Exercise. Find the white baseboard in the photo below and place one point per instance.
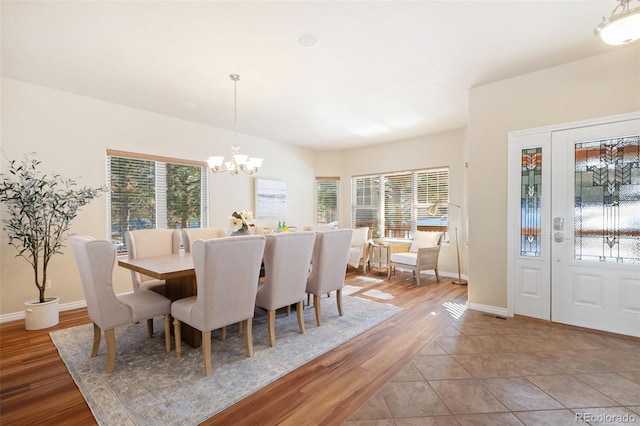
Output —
(14, 316)
(503, 312)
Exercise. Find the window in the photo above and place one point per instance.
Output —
(154, 192)
(395, 204)
(327, 196)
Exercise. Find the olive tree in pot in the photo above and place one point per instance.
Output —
(39, 209)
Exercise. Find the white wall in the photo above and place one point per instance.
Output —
(70, 135)
(599, 86)
(441, 150)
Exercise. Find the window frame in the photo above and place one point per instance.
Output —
(336, 180)
(160, 196)
(421, 199)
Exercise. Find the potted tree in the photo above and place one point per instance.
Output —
(39, 209)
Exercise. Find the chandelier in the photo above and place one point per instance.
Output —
(238, 162)
(622, 27)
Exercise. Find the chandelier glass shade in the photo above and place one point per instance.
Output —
(238, 162)
(622, 27)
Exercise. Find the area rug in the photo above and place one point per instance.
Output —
(151, 387)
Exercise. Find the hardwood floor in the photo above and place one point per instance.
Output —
(36, 388)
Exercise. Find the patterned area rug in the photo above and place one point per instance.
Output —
(151, 387)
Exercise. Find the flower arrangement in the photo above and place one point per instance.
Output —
(241, 221)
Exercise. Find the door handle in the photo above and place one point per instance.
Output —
(558, 237)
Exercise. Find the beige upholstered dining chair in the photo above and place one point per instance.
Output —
(359, 248)
(329, 264)
(190, 235)
(227, 272)
(422, 255)
(287, 257)
(256, 230)
(322, 227)
(95, 260)
(151, 243)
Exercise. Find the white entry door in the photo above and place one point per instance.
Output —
(595, 219)
(574, 224)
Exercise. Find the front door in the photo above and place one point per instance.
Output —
(595, 242)
(574, 225)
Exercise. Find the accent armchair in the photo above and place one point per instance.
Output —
(422, 255)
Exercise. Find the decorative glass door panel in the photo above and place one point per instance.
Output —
(531, 200)
(595, 272)
(607, 204)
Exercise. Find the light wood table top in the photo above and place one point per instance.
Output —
(161, 267)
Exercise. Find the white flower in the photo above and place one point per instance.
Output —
(247, 217)
(235, 223)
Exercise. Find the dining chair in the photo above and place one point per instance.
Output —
(227, 271)
(143, 243)
(329, 264)
(359, 248)
(190, 235)
(95, 260)
(151, 243)
(287, 257)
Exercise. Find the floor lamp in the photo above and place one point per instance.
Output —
(432, 211)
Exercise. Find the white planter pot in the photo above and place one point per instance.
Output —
(41, 315)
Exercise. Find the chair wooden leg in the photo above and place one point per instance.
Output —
(96, 339)
(110, 337)
(150, 328)
(418, 274)
(248, 337)
(288, 310)
(176, 333)
(308, 299)
(316, 306)
(240, 327)
(167, 333)
(271, 326)
(206, 352)
(437, 277)
(300, 312)
(223, 333)
(339, 300)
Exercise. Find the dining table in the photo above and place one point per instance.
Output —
(179, 274)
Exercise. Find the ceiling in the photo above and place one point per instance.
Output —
(382, 70)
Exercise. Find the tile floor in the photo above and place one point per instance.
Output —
(490, 371)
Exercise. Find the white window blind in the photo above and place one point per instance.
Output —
(432, 186)
(327, 196)
(153, 192)
(398, 203)
(365, 201)
(402, 208)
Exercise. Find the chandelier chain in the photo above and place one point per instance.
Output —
(237, 161)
